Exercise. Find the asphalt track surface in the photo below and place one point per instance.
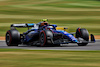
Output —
(90, 46)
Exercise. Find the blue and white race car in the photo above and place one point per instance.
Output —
(44, 34)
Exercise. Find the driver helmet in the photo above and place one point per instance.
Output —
(44, 22)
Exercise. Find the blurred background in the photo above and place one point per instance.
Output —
(64, 13)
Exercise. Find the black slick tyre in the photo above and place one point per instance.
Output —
(82, 33)
(12, 38)
(45, 38)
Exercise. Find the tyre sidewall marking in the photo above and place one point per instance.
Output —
(44, 37)
(10, 38)
(80, 32)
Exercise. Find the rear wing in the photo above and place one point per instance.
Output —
(27, 25)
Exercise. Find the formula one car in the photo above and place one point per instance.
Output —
(44, 34)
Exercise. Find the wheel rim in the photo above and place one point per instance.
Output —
(7, 38)
(42, 39)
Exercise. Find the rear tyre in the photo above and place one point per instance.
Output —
(82, 33)
(12, 38)
(45, 38)
(42, 39)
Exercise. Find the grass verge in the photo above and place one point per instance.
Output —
(48, 58)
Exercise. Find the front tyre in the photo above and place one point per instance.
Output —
(12, 38)
(82, 33)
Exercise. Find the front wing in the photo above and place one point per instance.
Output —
(79, 40)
